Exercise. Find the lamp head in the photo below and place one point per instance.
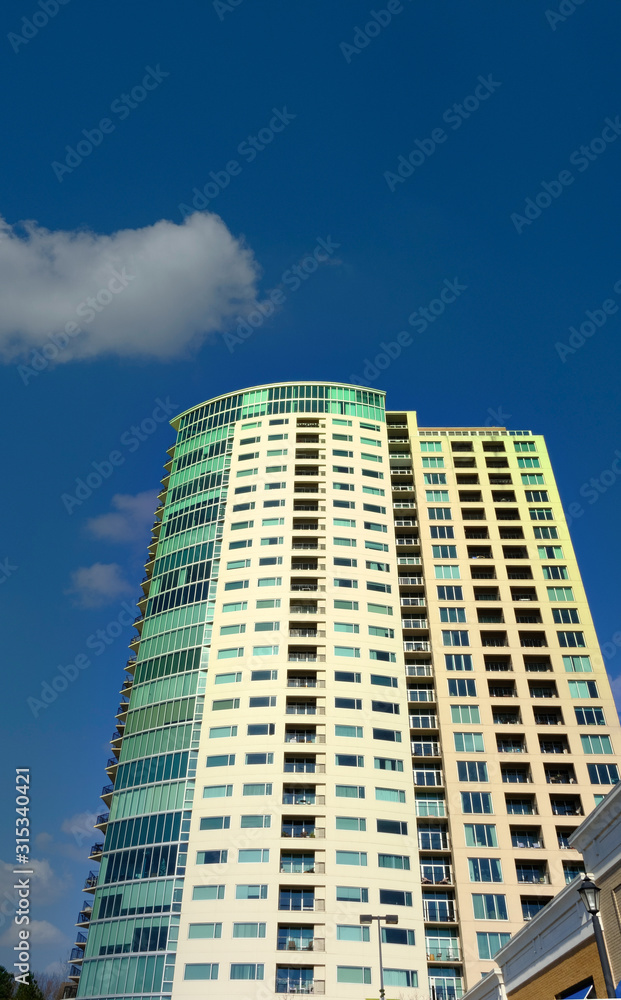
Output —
(589, 893)
(366, 918)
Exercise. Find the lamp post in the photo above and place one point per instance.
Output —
(589, 893)
(366, 918)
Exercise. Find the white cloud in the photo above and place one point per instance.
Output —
(92, 586)
(130, 522)
(181, 282)
(81, 827)
(42, 932)
(49, 886)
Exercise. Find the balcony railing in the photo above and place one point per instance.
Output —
(405, 581)
(91, 880)
(417, 646)
(439, 912)
(414, 623)
(304, 609)
(443, 953)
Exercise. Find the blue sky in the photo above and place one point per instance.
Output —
(291, 123)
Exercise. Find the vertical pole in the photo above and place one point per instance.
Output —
(382, 991)
(603, 955)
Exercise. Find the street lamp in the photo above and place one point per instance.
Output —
(589, 893)
(366, 918)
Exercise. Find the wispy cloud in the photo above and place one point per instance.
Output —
(175, 283)
(101, 583)
(50, 886)
(129, 522)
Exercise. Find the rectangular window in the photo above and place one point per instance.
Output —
(596, 744)
(262, 788)
(259, 758)
(541, 513)
(546, 532)
(205, 931)
(237, 585)
(536, 496)
(489, 943)
(346, 627)
(524, 445)
(555, 573)
(221, 760)
(394, 826)
(464, 688)
(246, 970)
(269, 581)
(430, 446)
(343, 582)
(433, 463)
(204, 892)
(254, 822)
(450, 593)
(348, 760)
(382, 681)
(480, 835)
(353, 974)
(401, 977)
(204, 970)
(253, 856)
(389, 735)
(465, 713)
(399, 861)
(395, 897)
(232, 678)
(264, 675)
(235, 606)
(351, 858)
(472, 770)
(222, 732)
(569, 639)
(488, 906)
(265, 650)
(469, 742)
(583, 689)
(485, 869)
(533, 479)
(238, 564)
(476, 802)
(351, 823)
(441, 531)
(436, 496)
(347, 651)
(387, 764)
(217, 791)
(397, 935)
(352, 894)
(252, 930)
(452, 614)
(350, 731)
(211, 857)
(215, 823)
(382, 588)
(455, 638)
(352, 932)
(560, 594)
(446, 572)
(389, 795)
(349, 703)
(603, 774)
(349, 791)
(590, 716)
(550, 551)
(250, 891)
(439, 514)
(458, 661)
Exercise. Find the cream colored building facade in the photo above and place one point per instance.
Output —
(367, 659)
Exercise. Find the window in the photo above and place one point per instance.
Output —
(383, 681)
(524, 445)
(343, 522)
(387, 764)
(207, 970)
(446, 572)
(464, 688)
(397, 935)
(251, 891)
(349, 791)
(353, 974)
(233, 678)
(347, 676)
(269, 581)
(222, 732)
(352, 894)
(346, 605)
(211, 857)
(546, 532)
(352, 932)
(346, 627)
(253, 930)
(430, 446)
(262, 788)
(348, 760)
(390, 735)
(389, 795)
(480, 835)
(394, 897)
(488, 906)
(220, 760)
(257, 856)
(217, 791)
(489, 943)
(437, 496)
(356, 823)
(472, 770)
(399, 861)
(259, 758)
(541, 514)
(392, 826)
(343, 582)
(455, 638)
(465, 714)
(469, 742)
(267, 626)
(235, 606)
(350, 703)
(236, 585)
(485, 869)
(208, 892)
(571, 639)
(350, 731)
(450, 594)
(603, 774)
(441, 531)
(351, 858)
(439, 514)
(256, 822)
(458, 661)
(583, 689)
(400, 977)
(476, 802)
(590, 716)
(264, 675)
(246, 970)
(215, 823)
(536, 496)
(444, 551)
(433, 463)
(260, 729)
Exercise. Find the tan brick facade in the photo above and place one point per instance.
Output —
(576, 966)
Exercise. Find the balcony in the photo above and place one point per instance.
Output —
(532, 876)
(438, 912)
(305, 609)
(418, 646)
(303, 708)
(302, 797)
(427, 721)
(414, 623)
(303, 736)
(102, 819)
(299, 566)
(306, 587)
(413, 602)
(437, 873)
(407, 540)
(419, 670)
(301, 829)
(425, 748)
(84, 917)
(90, 883)
(304, 682)
(444, 953)
(305, 658)
(96, 851)
(410, 581)
(306, 633)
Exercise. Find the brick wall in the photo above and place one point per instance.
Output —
(576, 966)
